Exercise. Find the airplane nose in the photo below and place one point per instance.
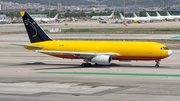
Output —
(170, 52)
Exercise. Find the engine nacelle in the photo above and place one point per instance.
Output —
(102, 59)
(135, 21)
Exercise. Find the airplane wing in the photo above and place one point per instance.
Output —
(83, 54)
(42, 20)
(101, 18)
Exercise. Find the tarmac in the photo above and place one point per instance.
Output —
(24, 37)
(89, 24)
(29, 76)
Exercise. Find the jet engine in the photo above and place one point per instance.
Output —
(135, 21)
(102, 59)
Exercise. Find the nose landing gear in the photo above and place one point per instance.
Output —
(157, 63)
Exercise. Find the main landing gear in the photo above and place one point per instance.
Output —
(86, 64)
(157, 63)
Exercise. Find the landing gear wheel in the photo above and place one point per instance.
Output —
(83, 65)
(96, 64)
(89, 64)
(156, 65)
(86, 65)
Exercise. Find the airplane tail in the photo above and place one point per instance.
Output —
(158, 14)
(168, 14)
(121, 16)
(147, 14)
(112, 15)
(56, 17)
(134, 14)
(35, 33)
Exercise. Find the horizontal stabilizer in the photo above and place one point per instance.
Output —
(18, 45)
(39, 47)
(29, 47)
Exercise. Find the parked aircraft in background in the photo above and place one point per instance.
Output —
(135, 19)
(4, 21)
(67, 19)
(163, 17)
(141, 18)
(173, 16)
(61, 20)
(45, 20)
(103, 17)
(98, 52)
(154, 18)
(74, 19)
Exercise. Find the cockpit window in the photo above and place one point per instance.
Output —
(164, 48)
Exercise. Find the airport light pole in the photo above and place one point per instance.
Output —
(124, 17)
(49, 9)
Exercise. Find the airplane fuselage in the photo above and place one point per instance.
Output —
(104, 17)
(153, 18)
(125, 50)
(174, 17)
(44, 19)
(134, 18)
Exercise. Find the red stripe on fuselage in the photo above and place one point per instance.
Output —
(114, 58)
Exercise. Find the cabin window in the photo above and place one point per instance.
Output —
(164, 48)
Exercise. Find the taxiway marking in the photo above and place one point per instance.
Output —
(125, 74)
(78, 70)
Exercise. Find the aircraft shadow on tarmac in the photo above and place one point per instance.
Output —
(72, 66)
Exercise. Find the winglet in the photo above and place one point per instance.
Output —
(22, 14)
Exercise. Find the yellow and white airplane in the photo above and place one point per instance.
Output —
(103, 17)
(98, 52)
(135, 18)
(45, 20)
